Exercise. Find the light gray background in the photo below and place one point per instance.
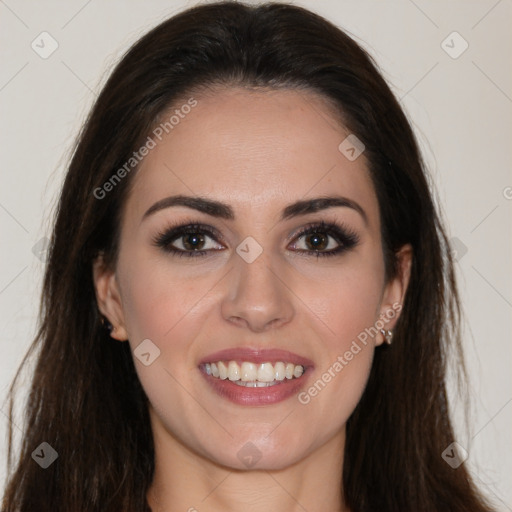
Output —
(460, 107)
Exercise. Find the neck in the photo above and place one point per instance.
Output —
(186, 481)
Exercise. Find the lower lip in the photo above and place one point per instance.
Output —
(242, 395)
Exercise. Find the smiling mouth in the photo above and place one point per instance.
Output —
(255, 375)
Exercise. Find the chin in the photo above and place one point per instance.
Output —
(258, 453)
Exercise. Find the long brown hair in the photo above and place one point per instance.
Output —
(86, 401)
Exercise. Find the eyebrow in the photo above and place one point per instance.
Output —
(224, 211)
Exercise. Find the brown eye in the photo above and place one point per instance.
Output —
(193, 241)
(324, 239)
(189, 240)
(317, 241)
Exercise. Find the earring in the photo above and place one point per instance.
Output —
(105, 322)
(107, 325)
(388, 336)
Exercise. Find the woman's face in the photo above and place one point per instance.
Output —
(271, 254)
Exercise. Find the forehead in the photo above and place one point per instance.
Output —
(252, 149)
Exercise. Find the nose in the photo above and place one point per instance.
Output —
(257, 298)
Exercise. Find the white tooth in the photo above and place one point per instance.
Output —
(255, 384)
(279, 371)
(223, 371)
(233, 371)
(266, 372)
(249, 372)
(299, 370)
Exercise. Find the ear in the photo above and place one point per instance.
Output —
(394, 292)
(109, 298)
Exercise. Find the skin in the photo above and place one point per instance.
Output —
(256, 151)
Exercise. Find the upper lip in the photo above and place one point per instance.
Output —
(257, 355)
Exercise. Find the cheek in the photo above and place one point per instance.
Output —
(158, 300)
(163, 306)
(337, 384)
(169, 307)
(345, 297)
(345, 303)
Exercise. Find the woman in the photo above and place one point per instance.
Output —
(249, 299)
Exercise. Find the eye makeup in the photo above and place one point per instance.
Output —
(192, 239)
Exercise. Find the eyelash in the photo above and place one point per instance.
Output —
(345, 237)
